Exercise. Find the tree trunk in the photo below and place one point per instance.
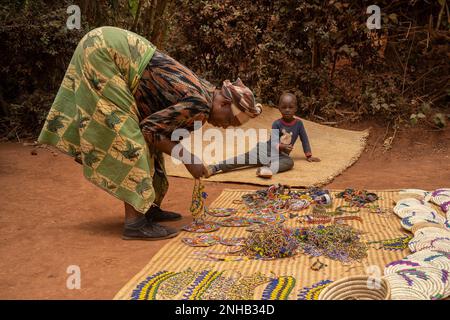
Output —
(158, 30)
(136, 18)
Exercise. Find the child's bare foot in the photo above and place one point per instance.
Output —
(313, 159)
(264, 172)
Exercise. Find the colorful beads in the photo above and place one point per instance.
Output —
(221, 212)
(147, 289)
(357, 198)
(201, 226)
(337, 242)
(270, 242)
(400, 243)
(235, 222)
(312, 293)
(278, 288)
(198, 201)
(281, 199)
(201, 241)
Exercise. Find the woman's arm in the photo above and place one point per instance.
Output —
(192, 163)
(160, 125)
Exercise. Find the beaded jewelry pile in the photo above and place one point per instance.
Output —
(281, 199)
(357, 198)
(270, 242)
(267, 201)
(337, 242)
(323, 233)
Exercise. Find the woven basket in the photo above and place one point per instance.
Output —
(355, 288)
(424, 225)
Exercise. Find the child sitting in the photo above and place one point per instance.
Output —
(289, 127)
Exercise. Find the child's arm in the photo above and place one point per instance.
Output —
(305, 143)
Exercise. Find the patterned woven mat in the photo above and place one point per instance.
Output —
(175, 272)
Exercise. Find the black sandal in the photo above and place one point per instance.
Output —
(156, 214)
(149, 232)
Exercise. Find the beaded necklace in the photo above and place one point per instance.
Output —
(221, 256)
(198, 201)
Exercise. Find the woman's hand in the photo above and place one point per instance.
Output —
(196, 170)
(313, 159)
(193, 164)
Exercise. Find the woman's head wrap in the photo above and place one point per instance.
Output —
(243, 104)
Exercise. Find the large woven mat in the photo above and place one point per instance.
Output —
(292, 277)
(337, 148)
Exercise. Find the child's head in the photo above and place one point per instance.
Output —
(287, 106)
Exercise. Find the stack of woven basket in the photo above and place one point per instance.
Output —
(357, 288)
(424, 274)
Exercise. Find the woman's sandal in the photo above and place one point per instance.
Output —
(156, 214)
(149, 232)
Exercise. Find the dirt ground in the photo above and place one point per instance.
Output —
(51, 217)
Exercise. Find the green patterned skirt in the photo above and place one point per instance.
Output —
(94, 117)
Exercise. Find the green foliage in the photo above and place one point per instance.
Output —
(36, 49)
(439, 120)
(133, 6)
(34, 55)
(320, 50)
(26, 117)
(414, 118)
(429, 115)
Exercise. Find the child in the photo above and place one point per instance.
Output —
(289, 128)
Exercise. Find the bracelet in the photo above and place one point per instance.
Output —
(341, 209)
(339, 220)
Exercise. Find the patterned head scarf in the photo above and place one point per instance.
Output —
(242, 100)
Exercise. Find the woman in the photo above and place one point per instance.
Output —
(115, 111)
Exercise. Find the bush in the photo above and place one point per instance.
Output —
(36, 49)
(322, 51)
